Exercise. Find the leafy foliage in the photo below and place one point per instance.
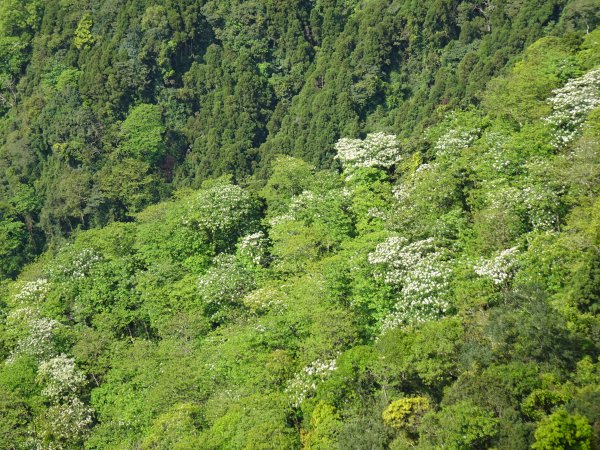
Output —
(431, 280)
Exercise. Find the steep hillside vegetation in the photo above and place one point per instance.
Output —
(108, 106)
(432, 283)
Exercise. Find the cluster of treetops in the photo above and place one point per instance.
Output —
(310, 224)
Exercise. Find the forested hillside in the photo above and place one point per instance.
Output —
(325, 224)
(109, 106)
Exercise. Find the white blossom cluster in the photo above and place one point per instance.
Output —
(254, 247)
(571, 104)
(305, 383)
(410, 185)
(79, 266)
(376, 150)
(219, 209)
(498, 158)
(378, 213)
(312, 206)
(424, 167)
(535, 202)
(265, 299)
(83, 261)
(61, 377)
(422, 273)
(225, 283)
(403, 191)
(505, 197)
(278, 220)
(540, 204)
(260, 328)
(501, 268)
(70, 421)
(393, 263)
(37, 340)
(415, 312)
(68, 418)
(303, 202)
(397, 258)
(456, 140)
(33, 291)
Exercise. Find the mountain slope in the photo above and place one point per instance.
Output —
(229, 85)
(440, 293)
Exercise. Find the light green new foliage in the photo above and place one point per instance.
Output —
(405, 413)
(177, 428)
(18, 15)
(128, 183)
(459, 426)
(545, 66)
(563, 431)
(325, 424)
(435, 286)
(142, 133)
(289, 177)
(83, 34)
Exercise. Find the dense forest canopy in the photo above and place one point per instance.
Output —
(317, 224)
(107, 107)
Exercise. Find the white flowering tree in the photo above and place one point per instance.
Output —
(68, 419)
(500, 268)
(571, 104)
(459, 130)
(421, 273)
(305, 383)
(33, 333)
(536, 205)
(254, 248)
(224, 285)
(455, 140)
(315, 223)
(266, 299)
(82, 263)
(61, 378)
(33, 291)
(65, 424)
(500, 158)
(222, 213)
(289, 177)
(376, 150)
